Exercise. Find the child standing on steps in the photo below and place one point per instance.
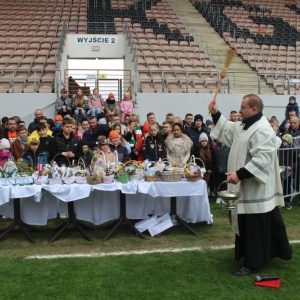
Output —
(126, 106)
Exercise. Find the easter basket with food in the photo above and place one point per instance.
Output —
(193, 172)
(153, 170)
(171, 173)
(133, 169)
(81, 172)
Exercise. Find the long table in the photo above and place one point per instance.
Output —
(101, 203)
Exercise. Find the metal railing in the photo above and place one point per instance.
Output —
(290, 83)
(95, 27)
(14, 82)
(289, 163)
(117, 81)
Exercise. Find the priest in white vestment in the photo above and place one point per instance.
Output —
(253, 170)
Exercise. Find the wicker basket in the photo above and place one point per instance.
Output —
(80, 179)
(151, 178)
(94, 179)
(171, 176)
(190, 177)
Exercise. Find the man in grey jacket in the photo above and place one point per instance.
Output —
(63, 104)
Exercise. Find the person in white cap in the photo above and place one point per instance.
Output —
(204, 152)
(5, 154)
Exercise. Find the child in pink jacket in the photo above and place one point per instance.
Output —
(126, 106)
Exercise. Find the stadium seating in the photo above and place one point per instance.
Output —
(264, 34)
(165, 50)
(30, 32)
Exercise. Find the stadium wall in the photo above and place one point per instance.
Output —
(180, 104)
(24, 105)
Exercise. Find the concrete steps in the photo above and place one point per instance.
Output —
(244, 79)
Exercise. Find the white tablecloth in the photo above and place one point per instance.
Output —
(154, 198)
(100, 203)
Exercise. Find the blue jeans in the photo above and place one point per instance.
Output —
(95, 111)
(77, 112)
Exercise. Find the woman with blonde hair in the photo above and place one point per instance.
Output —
(176, 119)
(96, 103)
(79, 104)
(103, 153)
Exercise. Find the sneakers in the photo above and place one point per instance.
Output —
(63, 216)
(288, 205)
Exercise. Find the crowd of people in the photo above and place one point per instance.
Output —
(241, 151)
(85, 126)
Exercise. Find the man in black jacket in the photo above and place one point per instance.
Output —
(194, 131)
(66, 144)
(285, 125)
(32, 126)
(90, 136)
(188, 121)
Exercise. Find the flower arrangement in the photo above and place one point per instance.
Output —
(110, 169)
(159, 167)
(53, 170)
(132, 167)
(23, 167)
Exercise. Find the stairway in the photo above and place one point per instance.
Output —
(243, 79)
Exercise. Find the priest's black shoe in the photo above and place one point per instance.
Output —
(245, 271)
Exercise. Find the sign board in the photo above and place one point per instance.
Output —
(102, 76)
(91, 76)
(95, 39)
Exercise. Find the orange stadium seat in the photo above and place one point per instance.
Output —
(29, 35)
